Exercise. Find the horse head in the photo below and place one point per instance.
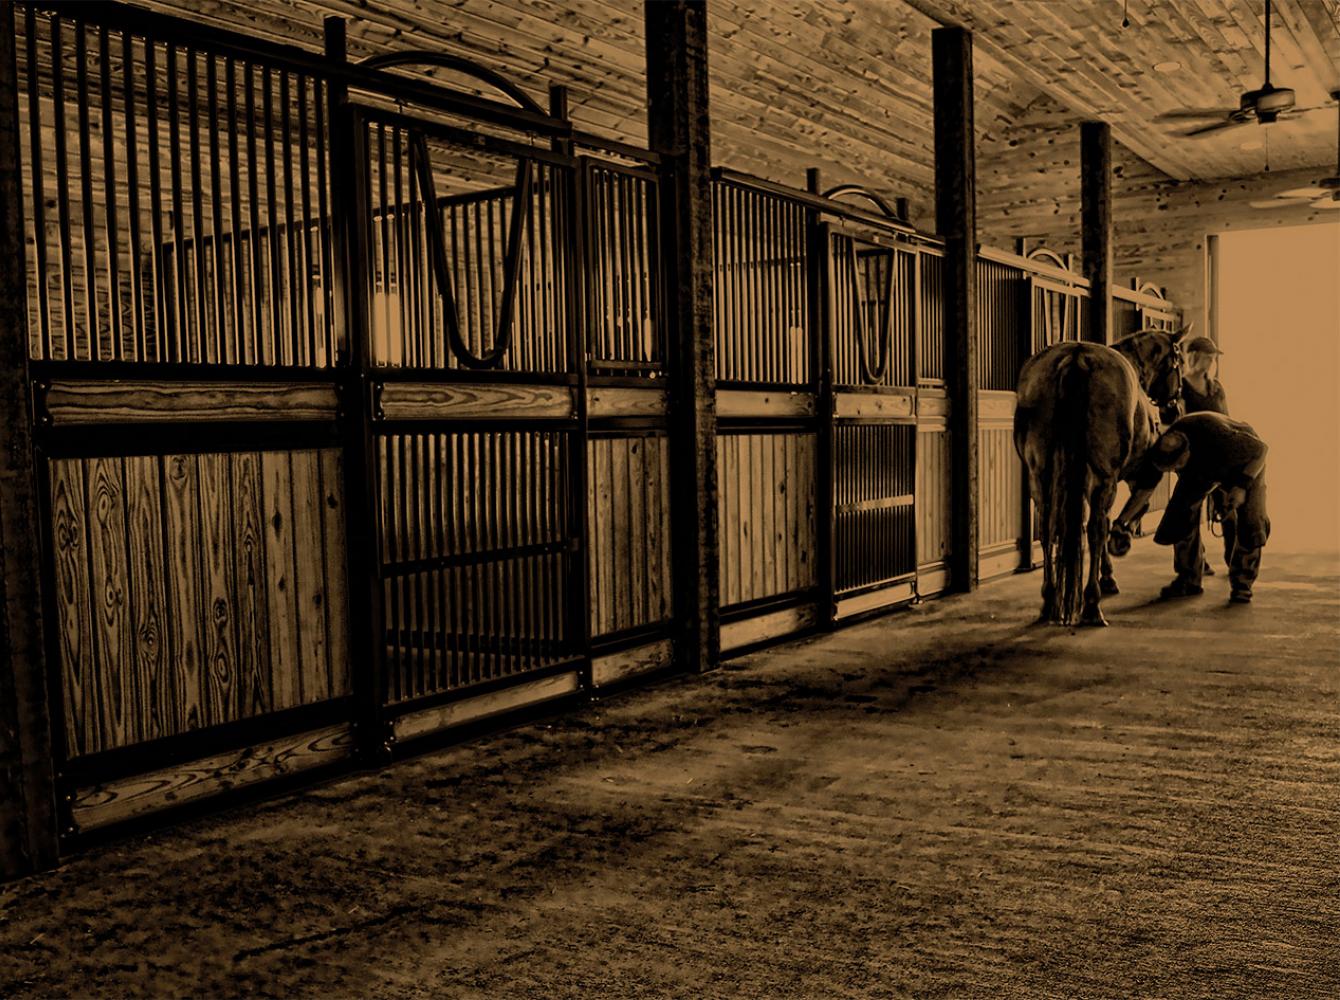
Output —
(1156, 356)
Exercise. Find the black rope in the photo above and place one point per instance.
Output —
(521, 207)
(873, 374)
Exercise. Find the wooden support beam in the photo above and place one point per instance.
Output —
(956, 223)
(678, 128)
(28, 830)
(1095, 147)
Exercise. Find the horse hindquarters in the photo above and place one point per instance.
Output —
(1069, 482)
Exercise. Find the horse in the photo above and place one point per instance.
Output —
(1083, 420)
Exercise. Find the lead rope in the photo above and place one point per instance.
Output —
(521, 206)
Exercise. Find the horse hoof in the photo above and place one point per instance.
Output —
(1109, 586)
(1093, 616)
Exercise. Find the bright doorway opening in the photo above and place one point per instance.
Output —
(1278, 308)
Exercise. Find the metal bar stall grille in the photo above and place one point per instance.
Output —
(147, 235)
(760, 287)
(468, 291)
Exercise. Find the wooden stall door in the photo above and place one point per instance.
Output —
(873, 333)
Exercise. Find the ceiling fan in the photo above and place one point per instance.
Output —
(1265, 105)
(1323, 193)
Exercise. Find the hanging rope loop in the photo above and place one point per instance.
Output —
(873, 372)
(421, 168)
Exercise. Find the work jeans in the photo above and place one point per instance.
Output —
(1245, 533)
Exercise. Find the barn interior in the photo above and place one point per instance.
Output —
(518, 497)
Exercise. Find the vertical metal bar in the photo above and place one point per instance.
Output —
(325, 239)
(180, 315)
(276, 348)
(258, 354)
(110, 190)
(161, 319)
(293, 340)
(221, 339)
(305, 260)
(133, 196)
(196, 350)
(92, 332)
(401, 233)
(38, 178)
(235, 349)
(389, 355)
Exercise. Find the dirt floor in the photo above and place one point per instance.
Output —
(947, 801)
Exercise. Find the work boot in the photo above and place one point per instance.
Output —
(1240, 597)
(1181, 588)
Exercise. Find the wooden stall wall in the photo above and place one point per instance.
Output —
(196, 590)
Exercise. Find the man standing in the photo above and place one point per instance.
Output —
(1202, 392)
(1209, 452)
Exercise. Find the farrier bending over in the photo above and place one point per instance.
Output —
(1202, 392)
(1207, 450)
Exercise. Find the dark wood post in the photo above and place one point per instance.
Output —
(956, 223)
(28, 831)
(1095, 149)
(679, 130)
(820, 323)
(367, 626)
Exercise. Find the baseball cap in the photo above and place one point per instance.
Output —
(1204, 345)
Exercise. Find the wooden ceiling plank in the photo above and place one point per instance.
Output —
(1129, 135)
(1325, 71)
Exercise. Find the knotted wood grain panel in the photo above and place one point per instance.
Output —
(195, 590)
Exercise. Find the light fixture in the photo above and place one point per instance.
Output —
(1252, 145)
(1170, 66)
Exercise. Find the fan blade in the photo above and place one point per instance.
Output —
(1197, 133)
(1191, 114)
(1311, 191)
(1330, 201)
(1271, 203)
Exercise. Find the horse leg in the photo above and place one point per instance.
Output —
(1100, 502)
(1050, 612)
(1107, 583)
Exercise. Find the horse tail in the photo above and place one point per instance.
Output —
(1068, 481)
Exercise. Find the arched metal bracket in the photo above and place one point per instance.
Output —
(1049, 256)
(466, 67)
(861, 192)
(872, 373)
(421, 167)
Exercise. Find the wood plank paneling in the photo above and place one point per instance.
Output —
(148, 596)
(113, 650)
(218, 588)
(766, 507)
(194, 590)
(187, 621)
(97, 401)
(115, 801)
(281, 583)
(627, 520)
(255, 694)
(933, 498)
(1001, 485)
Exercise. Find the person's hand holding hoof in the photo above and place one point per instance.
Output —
(1118, 540)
